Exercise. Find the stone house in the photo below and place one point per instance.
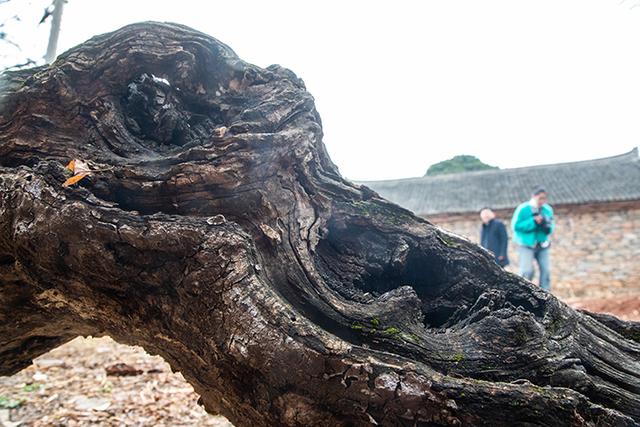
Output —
(596, 245)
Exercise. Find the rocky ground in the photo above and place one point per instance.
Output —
(98, 382)
(71, 386)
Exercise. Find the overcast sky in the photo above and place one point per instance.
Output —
(404, 84)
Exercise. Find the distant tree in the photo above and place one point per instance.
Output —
(462, 163)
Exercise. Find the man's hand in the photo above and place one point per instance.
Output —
(538, 219)
(501, 258)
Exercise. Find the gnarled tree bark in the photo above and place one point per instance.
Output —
(216, 232)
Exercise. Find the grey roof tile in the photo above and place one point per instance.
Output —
(614, 178)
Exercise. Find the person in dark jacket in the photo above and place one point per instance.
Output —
(493, 236)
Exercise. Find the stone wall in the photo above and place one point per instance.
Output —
(595, 248)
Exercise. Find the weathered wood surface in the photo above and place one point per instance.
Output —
(217, 233)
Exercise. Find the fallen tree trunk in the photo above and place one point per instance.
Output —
(214, 230)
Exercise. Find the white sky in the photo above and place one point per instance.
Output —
(404, 84)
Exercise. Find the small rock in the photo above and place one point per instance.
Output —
(122, 370)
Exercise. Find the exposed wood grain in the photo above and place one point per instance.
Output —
(216, 232)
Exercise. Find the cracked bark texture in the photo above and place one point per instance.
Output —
(219, 234)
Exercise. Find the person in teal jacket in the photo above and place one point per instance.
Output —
(532, 224)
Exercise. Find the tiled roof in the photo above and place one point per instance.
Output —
(601, 180)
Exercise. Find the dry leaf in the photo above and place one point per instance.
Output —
(5, 419)
(84, 403)
(74, 179)
(80, 167)
(122, 370)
